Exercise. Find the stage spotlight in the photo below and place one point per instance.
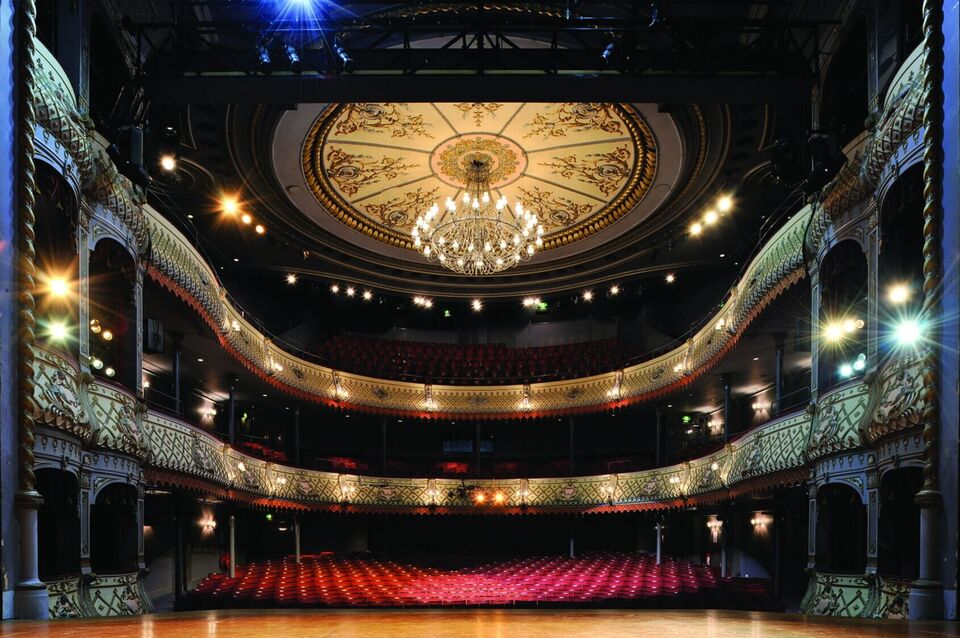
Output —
(710, 217)
(477, 305)
(229, 204)
(168, 163)
(908, 332)
(614, 291)
(296, 65)
(671, 278)
(607, 52)
(725, 204)
(846, 371)
(291, 279)
(346, 62)
(263, 58)
(57, 331)
(898, 293)
(860, 363)
(588, 295)
(696, 228)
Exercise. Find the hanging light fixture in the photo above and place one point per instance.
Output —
(477, 235)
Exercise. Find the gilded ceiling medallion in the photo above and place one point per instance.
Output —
(578, 166)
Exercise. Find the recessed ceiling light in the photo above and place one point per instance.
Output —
(235, 259)
(669, 405)
(529, 302)
(614, 290)
(756, 358)
(189, 215)
(671, 278)
(588, 295)
(334, 288)
(710, 217)
(477, 305)
(246, 218)
(264, 396)
(168, 163)
(722, 255)
(696, 228)
(351, 291)
(291, 279)
(367, 295)
(260, 229)
(725, 203)
(199, 360)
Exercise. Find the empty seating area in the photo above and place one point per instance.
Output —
(494, 362)
(338, 581)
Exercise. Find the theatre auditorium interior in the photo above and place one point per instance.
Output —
(489, 318)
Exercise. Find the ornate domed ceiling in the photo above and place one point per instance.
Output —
(580, 167)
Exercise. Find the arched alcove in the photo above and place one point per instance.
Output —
(900, 263)
(843, 315)
(113, 313)
(113, 530)
(841, 530)
(58, 272)
(899, 525)
(58, 523)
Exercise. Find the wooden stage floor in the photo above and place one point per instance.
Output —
(473, 623)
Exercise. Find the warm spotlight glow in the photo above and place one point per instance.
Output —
(477, 305)
(58, 286)
(106, 335)
(725, 204)
(710, 217)
(588, 295)
(57, 331)
(168, 163)
(833, 332)
(260, 229)
(291, 279)
(351, 291)
(367, 295)
(229, 205)
(696, 228)
(480, 497)
(95, 326)
(110, 372)
(530, 302)
(614, 290)
(908, 332)
(246, 218)
(96, 363)
(671, 278)
(499, 497)
(335, 289)
(898, 293)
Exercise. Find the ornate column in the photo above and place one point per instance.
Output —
(86, 500)
(873, 520)
(141, 562)
(813, 271)
(83, 289)
(926, 593)
(873, 287)
(138, 305)
(30, 594)
(812, 528)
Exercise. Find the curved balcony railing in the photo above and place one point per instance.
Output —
(175, 452)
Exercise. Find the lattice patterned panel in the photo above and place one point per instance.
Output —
(183, 448)
(778, 445)
(120, 595)
(652, 485)
(837, 595)
(707, 474)
(61, 401)
(117, 421)
(304, 485)
(892, 599)
(837, 422)
(65, 598)
(898, 398)
(246, 472)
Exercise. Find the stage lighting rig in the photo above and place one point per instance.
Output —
(346, 61)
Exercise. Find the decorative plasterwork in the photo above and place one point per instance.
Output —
(178, 266)
(854, 596)
(175, 452)
(579, 166)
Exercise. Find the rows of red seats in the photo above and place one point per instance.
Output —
(389, 358)
(262, 451)
(329, 580)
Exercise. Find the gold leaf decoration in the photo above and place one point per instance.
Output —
(399, 212)
(479, 110)
(352, 172)
(558, 120)
(604, 171)
(553, 211)
(381, 117)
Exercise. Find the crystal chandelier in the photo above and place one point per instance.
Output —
(476, 235)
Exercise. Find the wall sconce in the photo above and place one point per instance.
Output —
(715, 526)
(241, 467)
(759, 407)
(760, 521)
(208, 525)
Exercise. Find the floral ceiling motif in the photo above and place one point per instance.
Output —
(375, 167)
